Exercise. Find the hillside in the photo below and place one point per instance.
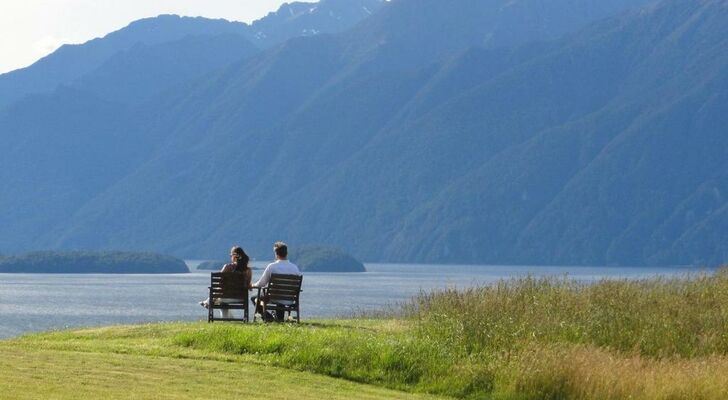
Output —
(313, 18)
(102, 99)
(72, 62)
(492, 132)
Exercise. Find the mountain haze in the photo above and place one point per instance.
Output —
(308, 19)
(71, 62)
(582, 132)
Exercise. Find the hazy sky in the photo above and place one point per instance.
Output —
(31, 29)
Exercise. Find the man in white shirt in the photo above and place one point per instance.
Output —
(280, 266)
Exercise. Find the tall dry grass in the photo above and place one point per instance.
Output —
(662, 317)
(587, 372)
(549, 338)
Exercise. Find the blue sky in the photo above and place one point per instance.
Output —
(31, 29)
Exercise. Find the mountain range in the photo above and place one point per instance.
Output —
(71, 62)
(573, 132)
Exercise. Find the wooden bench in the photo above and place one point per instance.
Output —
(281, 295)
(233, 288)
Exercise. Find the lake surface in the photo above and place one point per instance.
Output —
(39, 302)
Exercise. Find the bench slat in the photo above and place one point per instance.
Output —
(230, 284)
(287, 306)
(284, 282)
(229, 307)
(282, 292)
(289, 287)
(273, 299)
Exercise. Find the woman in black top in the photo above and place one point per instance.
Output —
(238, 263)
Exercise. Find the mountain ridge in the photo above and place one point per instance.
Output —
(571, 150)
(72, 61)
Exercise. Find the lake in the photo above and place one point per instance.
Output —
(39, 302)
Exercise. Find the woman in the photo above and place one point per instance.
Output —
(239, 263)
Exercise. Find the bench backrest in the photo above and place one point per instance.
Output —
(230, 285)
(284, 288)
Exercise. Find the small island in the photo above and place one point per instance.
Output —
(309, 258)
(214, 265)
(317, 258)
(92, 262)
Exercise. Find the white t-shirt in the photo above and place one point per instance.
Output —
(279, 267)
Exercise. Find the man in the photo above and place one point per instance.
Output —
(280, 266)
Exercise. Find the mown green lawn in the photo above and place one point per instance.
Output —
(142, 362)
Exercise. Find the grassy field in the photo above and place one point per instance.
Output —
(522, 339)
(142, 362)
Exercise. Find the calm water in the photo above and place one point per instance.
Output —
(38, 302)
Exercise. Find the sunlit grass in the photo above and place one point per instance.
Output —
(142, 362)
(587, 372)
(661, 317)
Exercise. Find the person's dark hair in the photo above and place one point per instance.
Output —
(241, 259)
(281, 249)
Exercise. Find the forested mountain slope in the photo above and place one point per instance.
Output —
(491, 132)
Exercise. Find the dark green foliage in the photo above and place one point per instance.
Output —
(86, 262)
(315, 258)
